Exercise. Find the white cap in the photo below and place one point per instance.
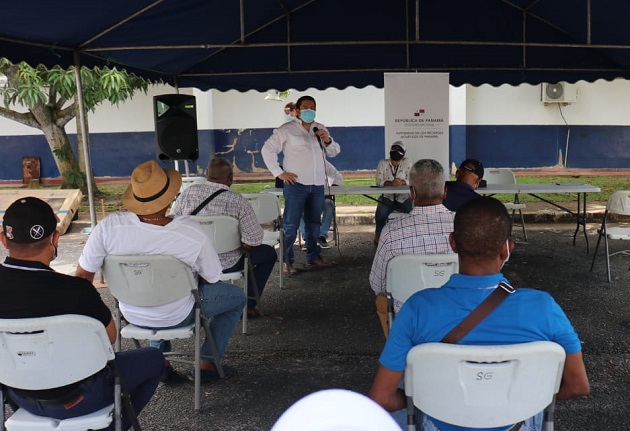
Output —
(401, 144)
(335, 410)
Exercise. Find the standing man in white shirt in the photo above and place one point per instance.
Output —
(305, 145)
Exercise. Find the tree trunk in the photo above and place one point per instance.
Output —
(71, 177)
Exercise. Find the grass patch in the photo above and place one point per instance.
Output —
(111, 194)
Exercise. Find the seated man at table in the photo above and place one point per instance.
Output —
(467, 180)
(194, 199)
(392, 172)
(146, 230)
(481, 237)
(30, 288)
(425, 230)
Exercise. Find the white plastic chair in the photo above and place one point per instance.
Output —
(152, 280)
(618, 203)
(50, 352)
(225, 234)
(483, 386)
(506, 176)
(411, 273)
(267, 209)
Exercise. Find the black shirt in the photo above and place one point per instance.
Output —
(32, 289)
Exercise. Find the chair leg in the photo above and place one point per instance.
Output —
(523, 224)
(250, 269)
(390, 311)
(197, 361)
(607, 256)
(281, 251)
(204, 322)
(549, 416)
(122, 401)
(411, 415)
(599, 238)
(118, 316)
(245, 287)
(2, 408)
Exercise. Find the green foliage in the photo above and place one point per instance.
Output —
(32, 86)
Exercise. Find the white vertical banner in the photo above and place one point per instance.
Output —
(416, 113)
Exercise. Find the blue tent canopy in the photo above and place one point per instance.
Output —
(279, 44)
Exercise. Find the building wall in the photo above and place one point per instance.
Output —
(502, 126)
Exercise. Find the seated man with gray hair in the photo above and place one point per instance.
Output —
(425, 230)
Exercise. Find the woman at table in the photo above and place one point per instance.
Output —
(392, 172)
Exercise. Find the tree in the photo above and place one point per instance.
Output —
(50, 99)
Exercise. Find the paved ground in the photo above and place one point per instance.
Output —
(321, 332)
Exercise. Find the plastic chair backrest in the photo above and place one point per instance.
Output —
(410, 273)
(49, 352)
(483, 386)
(224, 231)
(619, 202)
(266, 206)
(148, 280)
(499, 176)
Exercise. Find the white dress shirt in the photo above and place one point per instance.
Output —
(303, 154)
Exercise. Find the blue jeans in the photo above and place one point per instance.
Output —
(308, 200)
(327, 217)
(263, 258)
(140, 372)
(385, 207)
(224, 302)
(425, 424)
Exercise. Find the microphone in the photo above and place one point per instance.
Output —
(315, 130)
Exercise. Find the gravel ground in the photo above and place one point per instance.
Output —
(320, 332)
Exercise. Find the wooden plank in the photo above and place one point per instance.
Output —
(65, 203)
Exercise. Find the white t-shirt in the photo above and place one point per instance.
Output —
(123, 233)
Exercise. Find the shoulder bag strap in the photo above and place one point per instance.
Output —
(479, 313)
(204, 203)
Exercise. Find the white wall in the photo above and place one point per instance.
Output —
(599, 103)
(349, 107)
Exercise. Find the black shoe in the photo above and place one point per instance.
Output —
(323, 243)
(210, 375)
(168, 373)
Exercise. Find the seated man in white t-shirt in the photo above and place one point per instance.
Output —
(146, 230)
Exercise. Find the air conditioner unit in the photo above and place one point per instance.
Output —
(560, 92)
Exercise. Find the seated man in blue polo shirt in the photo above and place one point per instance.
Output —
(481, 237)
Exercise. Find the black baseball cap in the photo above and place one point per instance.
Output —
(28, 220)
(474, 166)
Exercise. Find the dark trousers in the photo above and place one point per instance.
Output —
(140, 371)
(263, 258)
(385, 207)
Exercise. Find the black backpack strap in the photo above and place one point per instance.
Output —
(204, 203)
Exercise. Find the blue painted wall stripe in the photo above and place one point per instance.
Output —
(116, 154)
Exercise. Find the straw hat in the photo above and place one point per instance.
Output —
(152, 188)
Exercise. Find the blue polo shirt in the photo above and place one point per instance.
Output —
(524, 316)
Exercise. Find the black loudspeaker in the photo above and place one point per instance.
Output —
(176, 127)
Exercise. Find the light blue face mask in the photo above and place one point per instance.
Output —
(289, 117)
(307, 115)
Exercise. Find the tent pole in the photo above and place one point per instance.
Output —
(84, 135)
